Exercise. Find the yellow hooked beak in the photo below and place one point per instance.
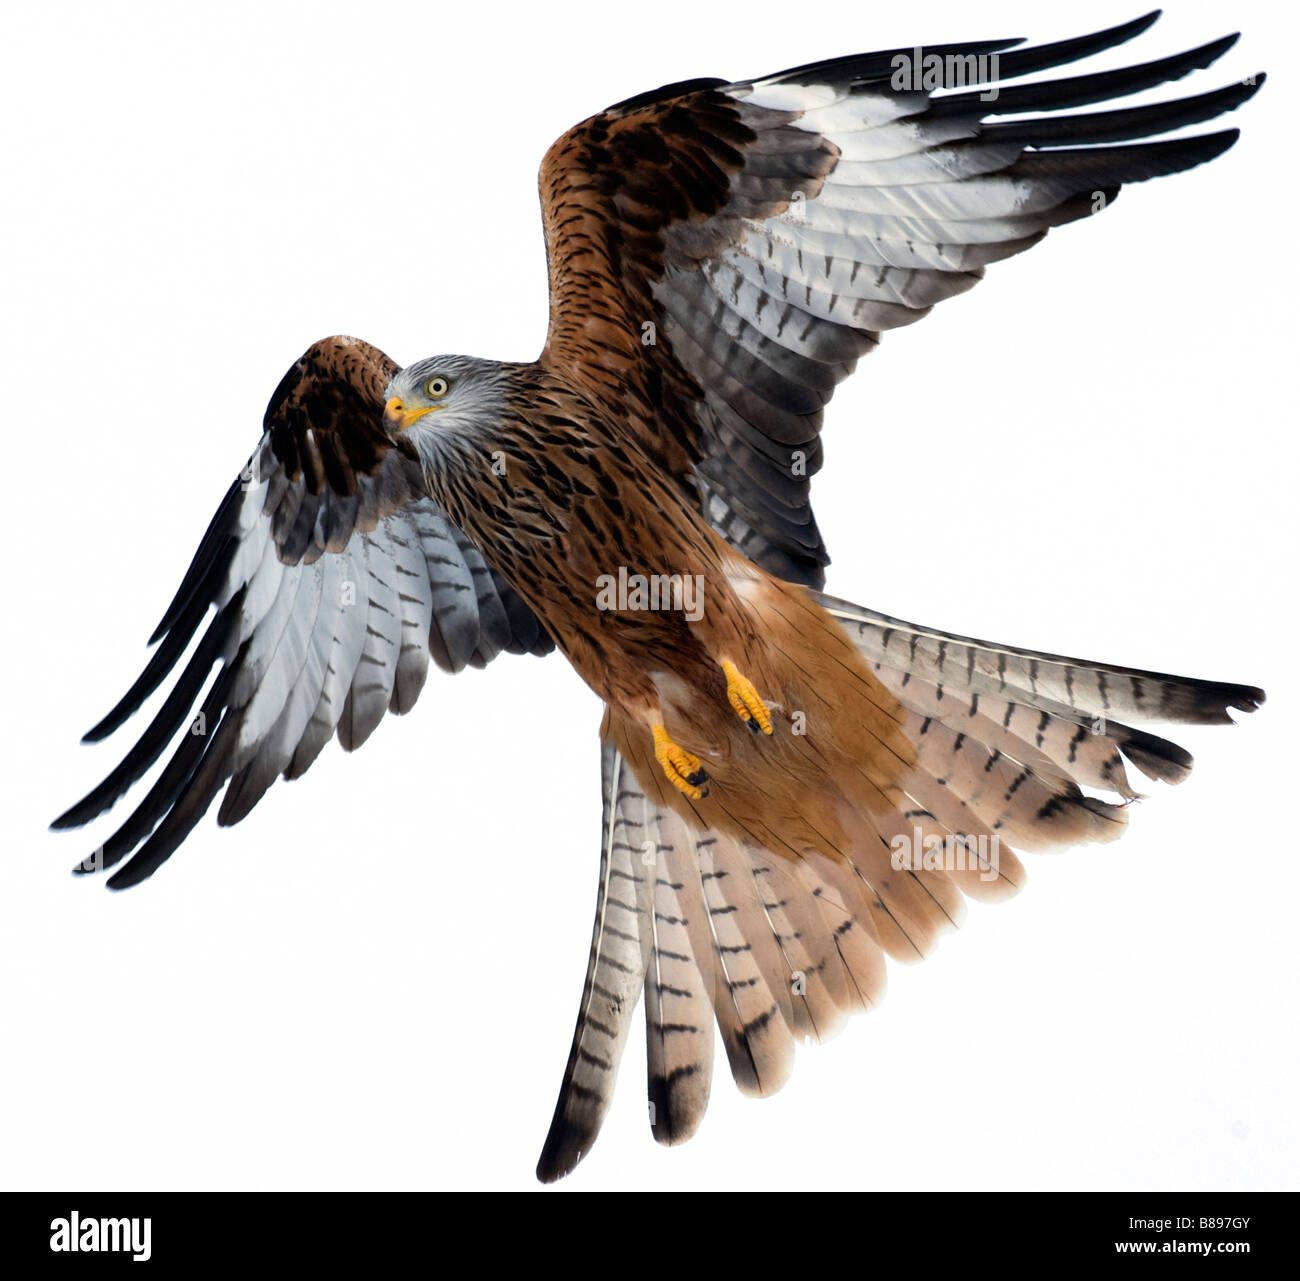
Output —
(397, 416)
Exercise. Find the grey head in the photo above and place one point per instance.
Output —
(445, 400)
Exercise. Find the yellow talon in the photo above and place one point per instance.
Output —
(680, 768)
(742, 696)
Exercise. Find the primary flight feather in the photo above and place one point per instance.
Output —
(795, 787)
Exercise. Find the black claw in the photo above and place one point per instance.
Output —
(698, 778)
(753, 724)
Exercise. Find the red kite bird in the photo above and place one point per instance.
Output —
(794, 787)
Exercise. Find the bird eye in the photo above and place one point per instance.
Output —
(437, 386)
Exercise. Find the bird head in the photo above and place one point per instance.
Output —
(439, 395)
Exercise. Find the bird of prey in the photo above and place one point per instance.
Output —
(795, 787)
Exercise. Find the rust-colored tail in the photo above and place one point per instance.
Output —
(905, 769)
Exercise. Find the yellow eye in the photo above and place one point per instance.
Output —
(437, 387)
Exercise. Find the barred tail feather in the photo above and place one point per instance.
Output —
(770, 904)
(615, 971)
(1036, 679)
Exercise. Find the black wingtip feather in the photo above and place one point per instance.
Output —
(172, 715)
(1123, 125)
(171, 785)
(218, 531)
(1094, 167)
(1025, 62)
(180, 633)
(1083, 90)
(869, 68)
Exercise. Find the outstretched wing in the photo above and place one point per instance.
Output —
(334, 581)
(721, 254)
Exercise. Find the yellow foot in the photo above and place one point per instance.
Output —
(742, 696)
(680, 768)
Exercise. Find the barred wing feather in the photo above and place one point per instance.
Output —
(334, 583)
(721, 254)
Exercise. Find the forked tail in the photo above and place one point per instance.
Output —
(907, 768)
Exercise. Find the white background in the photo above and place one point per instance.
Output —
(372, 981)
